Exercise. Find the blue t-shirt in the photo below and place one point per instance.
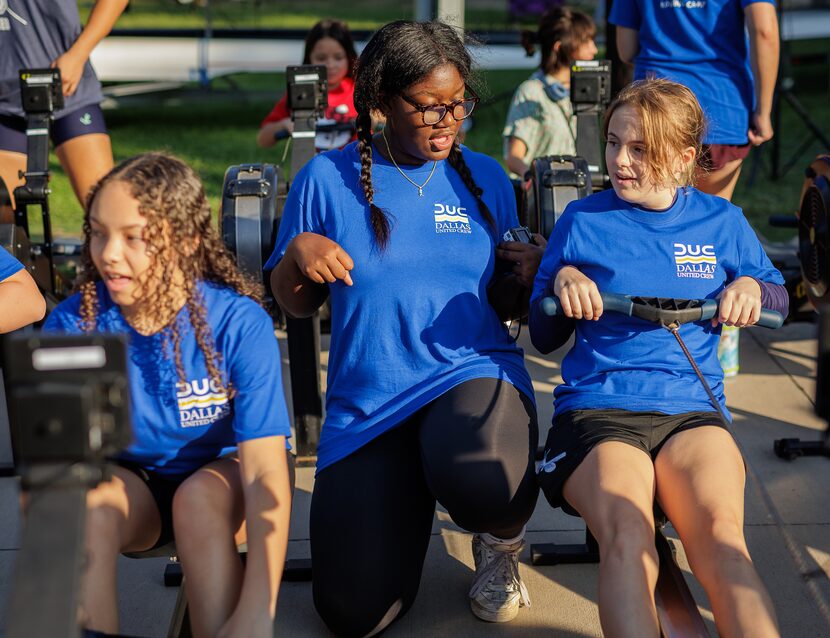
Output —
(180, 426)
(417, 321)
(8, 264)
(702, 45)
(689, 251)
(33, 33)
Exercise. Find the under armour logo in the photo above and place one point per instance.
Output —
(86, 119)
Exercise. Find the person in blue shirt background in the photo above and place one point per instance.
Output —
(632, 423)
(208, 458)
(427, 397)
(20, 301)
(703, 45)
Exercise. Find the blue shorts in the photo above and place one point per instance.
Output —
(83, 121)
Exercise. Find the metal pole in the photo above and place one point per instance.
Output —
(204, 48)
(304, 334)
(424, 10)
(452, 12)
(306, 400)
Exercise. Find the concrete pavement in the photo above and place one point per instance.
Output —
(789, 503)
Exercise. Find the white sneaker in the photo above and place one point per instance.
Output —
(497, 591)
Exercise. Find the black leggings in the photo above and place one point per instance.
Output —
(471, 449)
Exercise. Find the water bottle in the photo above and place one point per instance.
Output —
(728, 351)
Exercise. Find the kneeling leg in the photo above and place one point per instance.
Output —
(371, 518)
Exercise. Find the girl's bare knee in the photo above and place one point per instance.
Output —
(105, 514)
(719, 549)
(108, 493)
(199, 507)
(628, 536)
(104, 529)
(190, 502)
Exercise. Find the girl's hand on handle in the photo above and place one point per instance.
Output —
(320, 259)
(740, 303)
(525, 257)
(578, 295)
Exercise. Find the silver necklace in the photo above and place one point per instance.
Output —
(420, 187)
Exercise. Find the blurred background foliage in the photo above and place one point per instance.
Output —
(215, 127)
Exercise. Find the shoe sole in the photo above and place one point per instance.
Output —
(487, 615)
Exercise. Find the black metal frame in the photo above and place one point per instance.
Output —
(304, 334)
(790, 449)
(59, 460)
(41, 95)
(590, 95)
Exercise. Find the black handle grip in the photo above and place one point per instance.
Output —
(770, 319)
(623, 304)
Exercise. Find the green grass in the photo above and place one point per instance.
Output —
(216, 129)
(287, 14)
(210, 131)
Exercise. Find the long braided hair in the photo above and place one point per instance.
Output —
(397, 56)
(179, 233)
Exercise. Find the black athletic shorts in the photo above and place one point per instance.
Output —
(83, 121)
(574, 434)
(162, 488)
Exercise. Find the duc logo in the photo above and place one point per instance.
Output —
(694, 261)
(201, 403)
(451, 219)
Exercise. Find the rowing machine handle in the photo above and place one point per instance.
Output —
(622, 303)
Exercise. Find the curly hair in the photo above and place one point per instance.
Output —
(671, 120)
(179, 235)
(397, 56)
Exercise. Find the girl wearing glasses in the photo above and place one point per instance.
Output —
(540, 121)
(428, 398)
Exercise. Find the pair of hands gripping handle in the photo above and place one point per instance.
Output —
(662, 311)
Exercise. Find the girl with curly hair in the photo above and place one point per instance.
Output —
(208, 459)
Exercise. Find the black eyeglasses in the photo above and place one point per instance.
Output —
(434, 113)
